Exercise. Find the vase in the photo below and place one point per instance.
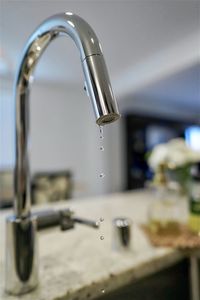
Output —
(167, 212)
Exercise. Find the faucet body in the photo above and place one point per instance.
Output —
(21, 244)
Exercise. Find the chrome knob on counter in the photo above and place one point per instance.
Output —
(121, 233)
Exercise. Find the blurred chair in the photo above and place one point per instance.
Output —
(51, 186)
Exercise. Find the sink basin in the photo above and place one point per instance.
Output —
(169, 284)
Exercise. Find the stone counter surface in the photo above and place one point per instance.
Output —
(78, 265)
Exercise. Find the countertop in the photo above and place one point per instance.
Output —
(78, 265)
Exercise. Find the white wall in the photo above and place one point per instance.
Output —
(64, 136)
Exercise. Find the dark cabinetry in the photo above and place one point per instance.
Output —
(169, 284)
(142, 134)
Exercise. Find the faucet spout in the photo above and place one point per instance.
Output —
(21, 262)
(97, 84)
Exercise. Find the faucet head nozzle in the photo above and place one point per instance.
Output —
(106, 119)
(100, 90)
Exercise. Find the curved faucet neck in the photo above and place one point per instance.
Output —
(61, 24)
(96, 81)
(88, 45)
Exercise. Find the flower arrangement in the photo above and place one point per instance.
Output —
(171, 163)
(174, 154)
(176, 159)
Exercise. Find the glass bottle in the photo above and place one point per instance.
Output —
(165, 212)
(194, 204)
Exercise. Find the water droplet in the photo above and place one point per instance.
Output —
(101, 132)
(103, 291)
(97, 223)
(31, 79)
(102, 237)
(101, 219)
(101, 129)
(102, 175)
(101, 148)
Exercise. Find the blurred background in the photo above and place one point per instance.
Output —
(152, 50)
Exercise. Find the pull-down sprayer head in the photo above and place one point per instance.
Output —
(100, 90)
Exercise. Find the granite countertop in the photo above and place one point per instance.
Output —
(77, 264)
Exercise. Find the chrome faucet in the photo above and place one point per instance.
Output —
(21, 244)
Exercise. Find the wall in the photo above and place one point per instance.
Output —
(64, 136)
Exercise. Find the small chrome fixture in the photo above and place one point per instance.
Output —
(21, 245)
(121, 234)
(64, 218)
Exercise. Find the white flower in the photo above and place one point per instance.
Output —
(176, 153)
(158, 156)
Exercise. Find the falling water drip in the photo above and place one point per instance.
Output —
(103, 291)
(101, 132)
(102, 175)
(101, 129)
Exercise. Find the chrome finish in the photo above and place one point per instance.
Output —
(90, 223)
(64, 218)
(106, 111)
(99, 89)
(21, 274)
(122, 233)
(97, 81)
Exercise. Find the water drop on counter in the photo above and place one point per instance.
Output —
(102, 237)
(101, 175)
(101, 148)
(101, 219)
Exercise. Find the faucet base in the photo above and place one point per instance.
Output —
(21, 255)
